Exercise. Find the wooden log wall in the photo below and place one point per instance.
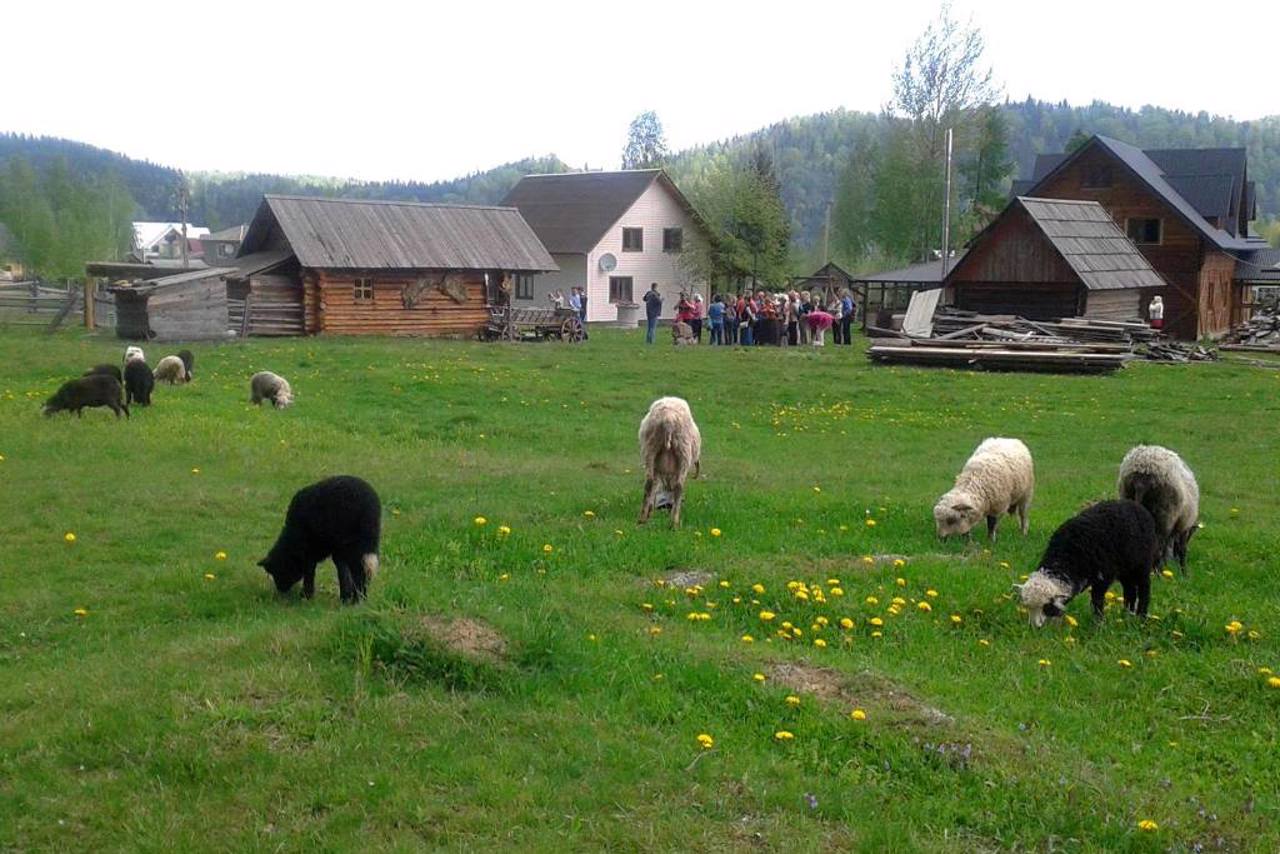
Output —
(1117, 305)
(433, 313)
(1215, 290)
(275, 306)
(1040, 302)
(189, 311)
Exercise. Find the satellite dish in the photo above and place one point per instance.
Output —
(608, 263)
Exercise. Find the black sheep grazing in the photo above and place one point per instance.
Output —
(107, 370)
(188, 361)
(92, 390)
(1108, 542)
(339, 517)
(138, 382)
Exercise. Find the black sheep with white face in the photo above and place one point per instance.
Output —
(1108, 542)
(339, 517)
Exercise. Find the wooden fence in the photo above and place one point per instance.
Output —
(41, 304)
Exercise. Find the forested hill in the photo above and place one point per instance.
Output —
(810, 152)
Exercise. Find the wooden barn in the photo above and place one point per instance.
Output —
(186, 306)
(356, 267)
(1188, 212)
(1050, 258)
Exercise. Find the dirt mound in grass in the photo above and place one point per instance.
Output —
(863, 690)
(469, 638)
(687, 578)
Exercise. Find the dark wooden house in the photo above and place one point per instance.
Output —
(1187, 210)
(343, 266)
(1050, 258)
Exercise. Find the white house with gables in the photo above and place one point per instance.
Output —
(613, 233)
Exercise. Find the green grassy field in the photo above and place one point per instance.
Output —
(188, 707)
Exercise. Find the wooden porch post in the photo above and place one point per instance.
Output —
(88, 303)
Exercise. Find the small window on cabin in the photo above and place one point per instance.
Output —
(362, 291)
(633, 240)
(226, 250)
(1143, 230)
(524, 286)
(1096, 177)
(620, 289)
(673, 240)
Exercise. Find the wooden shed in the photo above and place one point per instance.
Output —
(186, 306)
(1051, 258)
(345, 266)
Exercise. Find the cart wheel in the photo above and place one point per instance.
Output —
(571, 330)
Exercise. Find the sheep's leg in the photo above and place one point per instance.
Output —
(1022, 508)
(677, 501)
(1130, 595)
(1098, 596)
(1143, 589)
(1180, 550)
(354, 563)
(346, 584)
(309, 583)
(650, 494)
(697, 469)
(992, 523)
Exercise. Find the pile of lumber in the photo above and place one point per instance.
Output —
(1173, 351)
(997, 358)
(1259, 334)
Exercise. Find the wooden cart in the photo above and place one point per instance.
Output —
(517, 323)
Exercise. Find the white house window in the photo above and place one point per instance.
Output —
(1143, 230)
(620, 289)
(633, 240)
(524, 286)
(673, 240)
(362, 291)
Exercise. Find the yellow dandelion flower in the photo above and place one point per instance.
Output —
(590, 514)
(220, 555)
(820, 643)
(871, 600)
(547, 548)
(504, 530)
(793, 700)
(617, 532)
(757, 588)
(877, 634)
(1254, 634)
(984, 642)
(802, 594)
(1071, 621)
(797, 631)
(868, 560)
(195, 471)
(899, 563)
(817, 489)
(821, 621)
(591, 638)
(480, 521)
(1273, 681)
(925, 606)
(647, 607)
(705, 741)
(956, 619)
(748, 639)
(1166, 573)
(655, 630)
(69, 537)
(715, 532)
(901, 582)
(837, 591)
(931, 593)
(1044, 662)
(783, 735)
(209, 576)
(1151, 653)
(766, 616)
(1233, 627)
(876, 621)
(1265, 671)
(506, 576)
(759, 677)
(1148, 825)
(1124, 662)
(724, 584)
(898, 600)
(846, 623)
(871, 523)
(858, 715)
(81, 612)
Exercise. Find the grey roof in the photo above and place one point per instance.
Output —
(1203, 173)
(930, 272)
(235, 232)
(257, 262)
(572, 211)
(1260, 265)
(1092, 244)
(357, 234)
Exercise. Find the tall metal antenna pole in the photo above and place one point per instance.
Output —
(946, 214)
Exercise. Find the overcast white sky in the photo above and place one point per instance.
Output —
(428, 90)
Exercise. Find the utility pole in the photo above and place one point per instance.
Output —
(946, 213)
(182, 209)
(826, 237)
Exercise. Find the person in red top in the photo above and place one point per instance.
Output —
(684, 309)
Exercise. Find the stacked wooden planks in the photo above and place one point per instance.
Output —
(1056, 359)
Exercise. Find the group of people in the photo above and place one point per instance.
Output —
(791, 318)
(577, 301)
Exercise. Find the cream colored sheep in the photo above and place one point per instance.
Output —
(171, 370)
(671, 448)
(1158, 479)
(999, 478)
(268, 386)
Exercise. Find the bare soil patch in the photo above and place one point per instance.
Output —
(469, 638)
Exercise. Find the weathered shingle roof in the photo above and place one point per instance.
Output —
(1260, 265)
(372, 235)
(1092, 244)
(572, 211)
(929, 272)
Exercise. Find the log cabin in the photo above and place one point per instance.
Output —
(1187, 211)
(1049, 258)
(359, 267)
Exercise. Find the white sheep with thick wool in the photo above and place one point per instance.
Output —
(1159, 479)
(671, 449)
(171, 369)
(998, 478)
(264, 385)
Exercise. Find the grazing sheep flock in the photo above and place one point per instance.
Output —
(1123, 540)
(999, 478)
(670, 448)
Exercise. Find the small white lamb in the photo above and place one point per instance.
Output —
(671, 448)
(999, 478)
(268, 386)
(1158, 479)
(171, 369)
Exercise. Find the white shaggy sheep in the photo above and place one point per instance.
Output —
(1158, 479)
(671, 448)
(133, 354)
(171, 369)
(999, 478)
(268, 386)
